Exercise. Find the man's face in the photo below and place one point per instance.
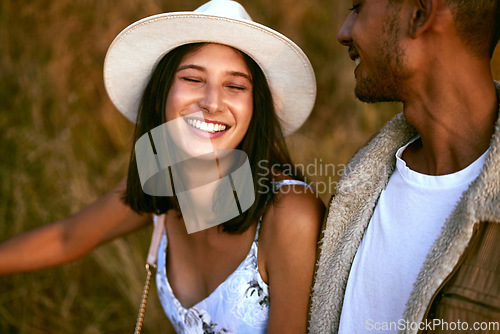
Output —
(372, 33)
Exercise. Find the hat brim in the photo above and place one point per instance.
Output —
(135, 52)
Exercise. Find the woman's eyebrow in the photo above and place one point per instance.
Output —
(240, 74)
(196, 67)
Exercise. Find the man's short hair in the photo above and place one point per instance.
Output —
(477, 23)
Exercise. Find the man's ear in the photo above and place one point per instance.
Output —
(422, 16)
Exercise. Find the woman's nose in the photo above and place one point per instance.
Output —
(212, 100)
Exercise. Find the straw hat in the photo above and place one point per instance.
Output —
(135, 52)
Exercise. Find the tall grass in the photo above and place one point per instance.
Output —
(63, 145)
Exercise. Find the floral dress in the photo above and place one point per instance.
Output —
(240, 304)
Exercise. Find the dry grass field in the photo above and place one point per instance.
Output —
(63, 145)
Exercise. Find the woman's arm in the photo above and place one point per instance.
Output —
(288, 241)
(68, 239)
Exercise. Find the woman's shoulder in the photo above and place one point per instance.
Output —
(294, 196)
(295, 203)
(295, 213)
(290, 227)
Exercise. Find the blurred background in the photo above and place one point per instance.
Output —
(63, 145)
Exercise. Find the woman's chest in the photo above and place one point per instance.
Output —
(196, 266)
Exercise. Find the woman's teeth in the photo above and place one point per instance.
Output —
(207, 127)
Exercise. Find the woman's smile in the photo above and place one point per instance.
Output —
(207, 128)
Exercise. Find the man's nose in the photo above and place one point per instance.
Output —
(344, 33)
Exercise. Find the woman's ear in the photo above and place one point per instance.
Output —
(422, 16)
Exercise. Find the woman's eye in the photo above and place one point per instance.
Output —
(236, 87)
(190, 79)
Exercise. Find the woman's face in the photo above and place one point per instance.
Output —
(212, 91)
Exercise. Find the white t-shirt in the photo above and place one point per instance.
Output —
(409, 216)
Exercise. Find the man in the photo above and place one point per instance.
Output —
(412, 239)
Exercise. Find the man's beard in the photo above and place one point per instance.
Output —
(386, 83)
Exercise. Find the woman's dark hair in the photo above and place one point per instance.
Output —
(263, 142)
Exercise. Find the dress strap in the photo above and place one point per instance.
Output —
(281, 183)
(256, 238)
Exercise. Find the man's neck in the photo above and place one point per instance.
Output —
(455, 118)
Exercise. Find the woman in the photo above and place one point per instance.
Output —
(251, 86)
